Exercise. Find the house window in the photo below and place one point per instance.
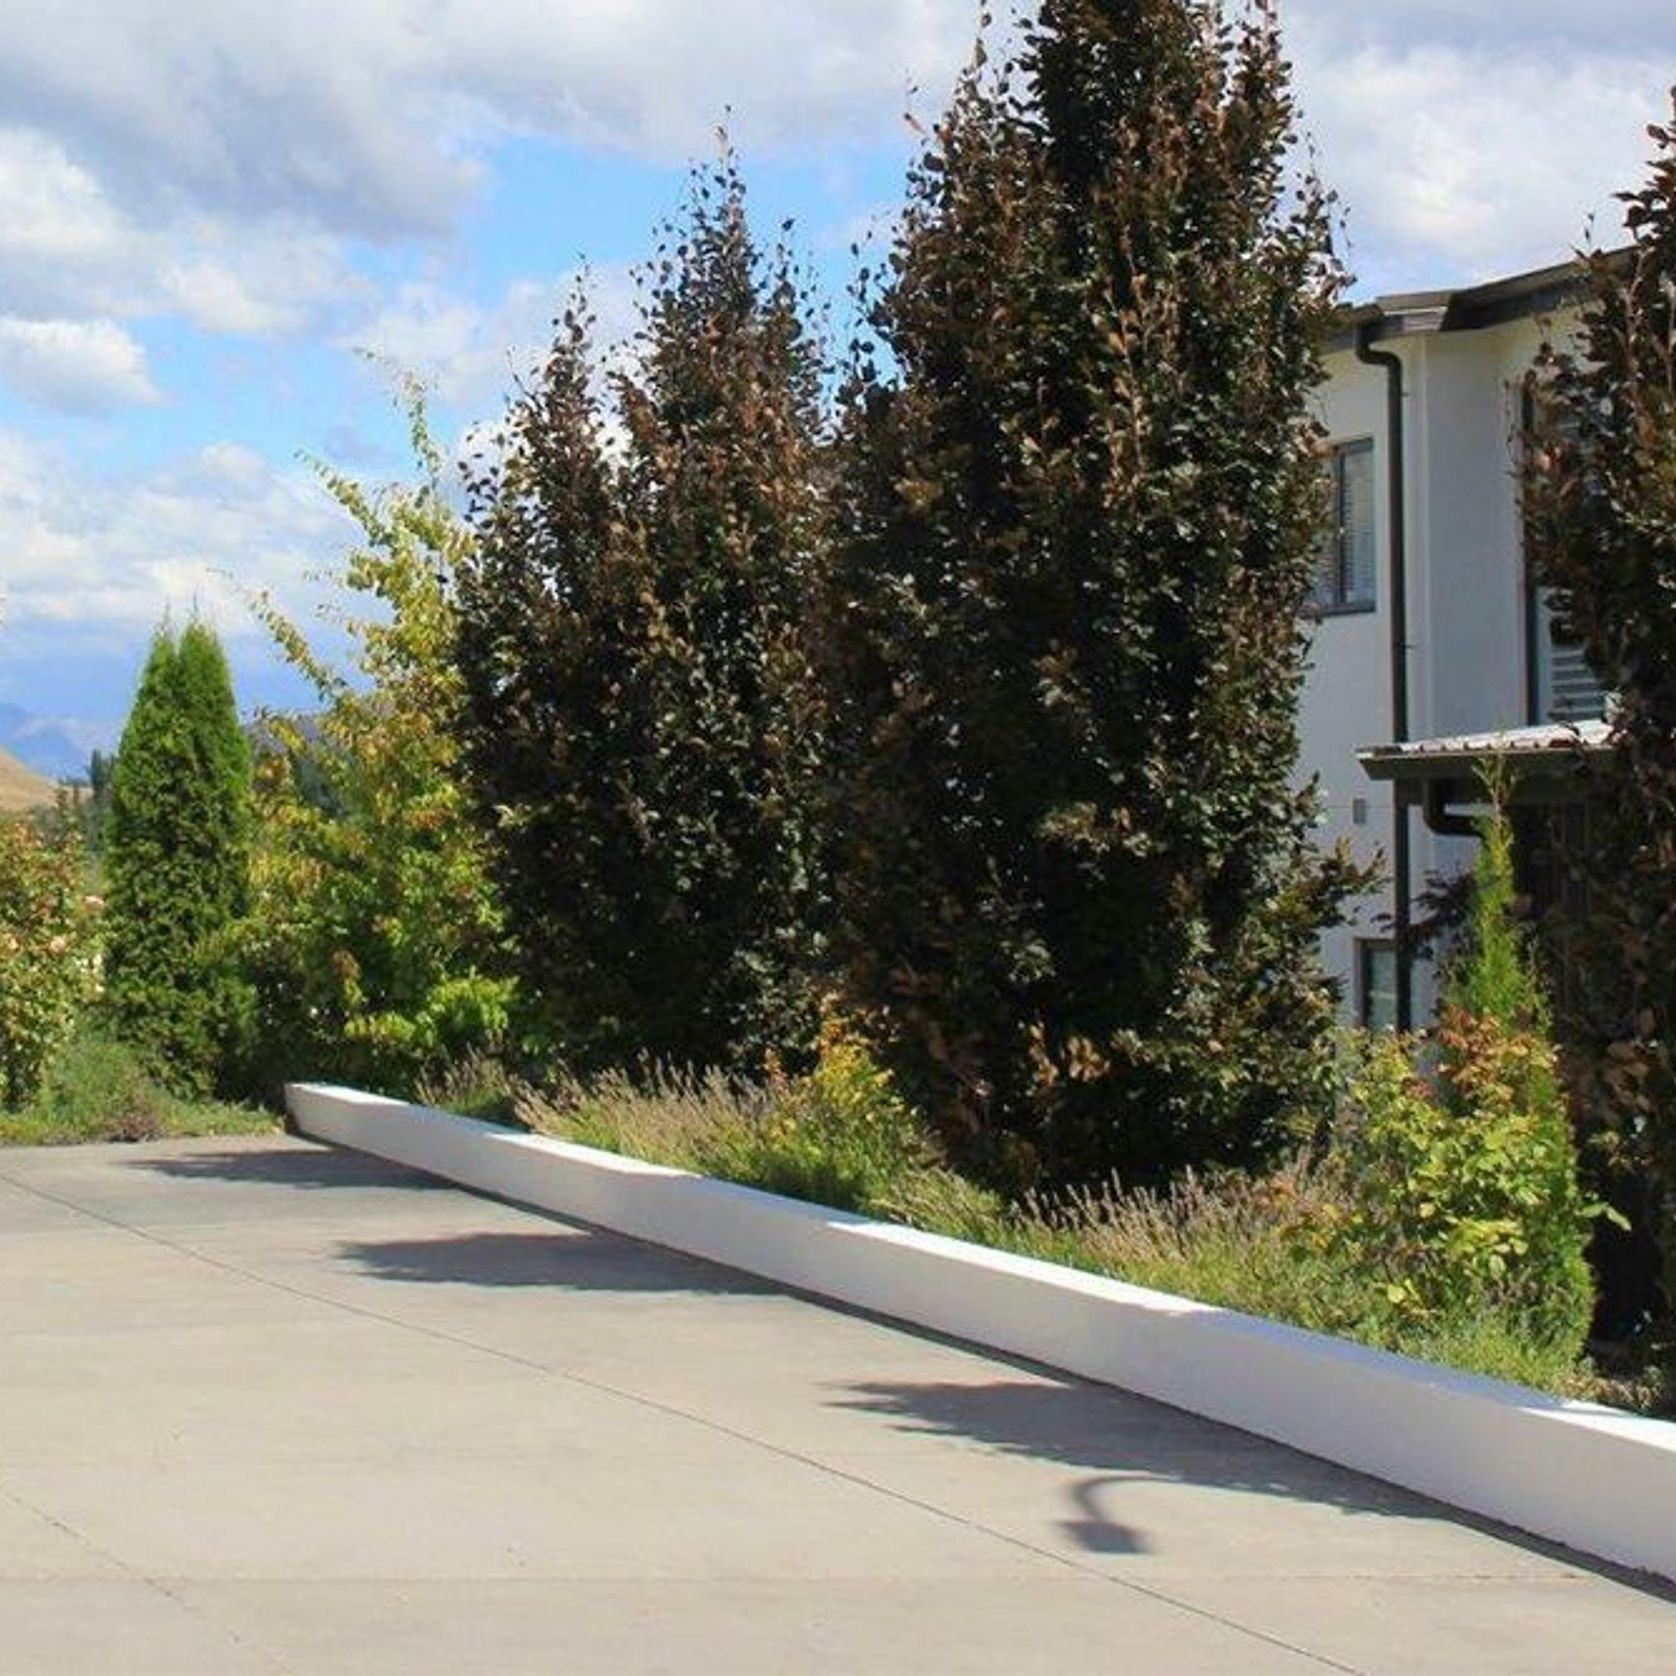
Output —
(1344, 574)
(1559, 682)
(1566, 688)
(1376, 984)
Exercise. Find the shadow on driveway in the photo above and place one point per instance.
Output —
(290, 1166)
(1112, 1439)
(1120, 1440)
(577, 1259)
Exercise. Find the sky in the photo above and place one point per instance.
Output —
(213, 211)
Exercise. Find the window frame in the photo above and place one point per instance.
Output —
(1340, 603)
(1542, 638)
(1366, 949)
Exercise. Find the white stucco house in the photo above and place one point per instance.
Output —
(1427, 626)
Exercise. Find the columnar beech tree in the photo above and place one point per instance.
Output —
(1080, 488)
(1601, 506)
(643, 719)
(177, 861)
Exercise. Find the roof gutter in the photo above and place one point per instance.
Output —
(1402, 854)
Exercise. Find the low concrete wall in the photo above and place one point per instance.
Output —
(1591, 1478)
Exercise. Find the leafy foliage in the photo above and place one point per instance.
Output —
(843, 1136)
(642, 717)
(1462, 1195)
(99, 1090)
(375, 938)
(177, 858)
(838, 1135)
(84, 805)
(48, 952)
(1601, 510)
(1079, 490)
(1460, 1191)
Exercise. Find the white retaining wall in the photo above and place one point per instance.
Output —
(1591, 1478)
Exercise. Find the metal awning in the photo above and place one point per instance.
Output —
(1543, 764)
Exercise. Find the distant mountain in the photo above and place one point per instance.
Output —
(21, 788)
(55, 746)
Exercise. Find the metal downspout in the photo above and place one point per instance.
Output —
(1402, 855)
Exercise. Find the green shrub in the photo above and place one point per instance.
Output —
(480, 1084)
(841, 1136)
(663, 1116)
(48, 954)
(942, 1201)
(1230, 1239)
(98, 1089)
(1460, 1194)
(375, 939)
(1460, 1187)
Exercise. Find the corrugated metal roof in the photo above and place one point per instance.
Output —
(1555, 745)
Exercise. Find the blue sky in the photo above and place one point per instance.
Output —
(206, 208)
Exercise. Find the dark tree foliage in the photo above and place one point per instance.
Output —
(101, 776)
(177, 862)
(1601, 515)
(1080, 488)
(642, 717)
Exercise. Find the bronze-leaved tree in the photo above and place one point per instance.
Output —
(642, 719)
(1601, 515)
(1080, 897)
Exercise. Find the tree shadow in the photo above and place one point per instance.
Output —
(1117, 1439)
(290, 1166)
(568, 1259)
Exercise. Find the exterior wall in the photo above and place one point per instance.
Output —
(1347, 698)
(1466, 599)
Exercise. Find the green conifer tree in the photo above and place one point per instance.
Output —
(177, 859)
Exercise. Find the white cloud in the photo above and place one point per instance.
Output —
(364, 119)
(70, 250)
(55, 210)
(262, 279)
(210, 160)
(104, 556)
(75, 366)
(472, 356)
(1471, 139)
(1493, 26)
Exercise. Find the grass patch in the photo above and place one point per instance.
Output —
(479, 1085)
(97, 1090)
(842, 1137)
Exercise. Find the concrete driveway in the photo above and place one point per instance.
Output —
(267, 1407)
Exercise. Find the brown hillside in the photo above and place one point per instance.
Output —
(20, 787)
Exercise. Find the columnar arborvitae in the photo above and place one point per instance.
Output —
(1601, 506)
(1080, 898)
(642, 715)
(177, 859)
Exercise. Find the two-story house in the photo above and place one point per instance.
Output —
(1427, 626)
